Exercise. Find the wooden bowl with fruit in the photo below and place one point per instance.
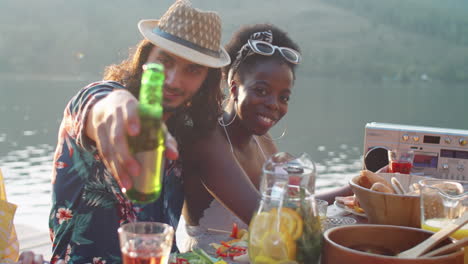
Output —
(388, 198)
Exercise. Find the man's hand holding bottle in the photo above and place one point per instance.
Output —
(109, 122)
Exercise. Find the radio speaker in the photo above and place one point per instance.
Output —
(376, 158)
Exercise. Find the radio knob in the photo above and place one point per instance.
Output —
(448, 140)
(463, 141)
(405, 137)
(460, 167)
(416, 138)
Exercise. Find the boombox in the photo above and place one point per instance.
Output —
(438, 152)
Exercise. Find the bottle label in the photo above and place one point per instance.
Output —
(149, 137)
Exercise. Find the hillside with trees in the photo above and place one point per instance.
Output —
(341, 39)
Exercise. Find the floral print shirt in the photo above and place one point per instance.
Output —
(87, 204)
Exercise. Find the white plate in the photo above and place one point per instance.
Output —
(349, 210)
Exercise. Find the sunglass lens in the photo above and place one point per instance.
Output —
(290, 55)
(265, 48)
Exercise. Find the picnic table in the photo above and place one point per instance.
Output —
(39, 241)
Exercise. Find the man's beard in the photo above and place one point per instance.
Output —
(172, 109)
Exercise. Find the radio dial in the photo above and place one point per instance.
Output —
(463, 141)
(460, 167)
(445, 166)
(448, 140)
(416, 138)
(405, 137)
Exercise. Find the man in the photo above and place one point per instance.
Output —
(92, 162)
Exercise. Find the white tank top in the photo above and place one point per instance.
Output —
(215, 218)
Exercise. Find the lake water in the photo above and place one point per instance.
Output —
(326, 120)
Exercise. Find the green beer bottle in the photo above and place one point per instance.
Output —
(148, 147)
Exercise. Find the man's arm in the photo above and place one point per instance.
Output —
(108, 123)
(101, 116)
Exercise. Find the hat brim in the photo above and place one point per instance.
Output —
(146, 29)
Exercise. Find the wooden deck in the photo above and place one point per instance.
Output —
(31, 239)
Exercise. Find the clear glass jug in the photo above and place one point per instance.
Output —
(442, 202)
(286, 227)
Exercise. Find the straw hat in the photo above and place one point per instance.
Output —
(188, 32)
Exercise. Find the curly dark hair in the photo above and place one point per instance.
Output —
(197, 117)
(239, 39)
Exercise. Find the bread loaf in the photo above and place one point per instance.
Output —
(380, 187)
(368, 178)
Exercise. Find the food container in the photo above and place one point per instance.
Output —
(359, 244)
(390, 209)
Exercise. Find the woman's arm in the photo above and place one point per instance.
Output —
(330, 195)
(221, 174)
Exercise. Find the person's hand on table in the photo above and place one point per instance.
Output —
(28, 257)
(108, 123)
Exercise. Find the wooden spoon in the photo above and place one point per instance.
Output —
(447, 248)
(427, 244)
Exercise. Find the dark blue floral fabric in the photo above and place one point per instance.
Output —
(87, 204)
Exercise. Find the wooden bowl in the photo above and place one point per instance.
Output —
(341, 245)
(390, 209)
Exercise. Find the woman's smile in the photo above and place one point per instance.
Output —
(266, 121)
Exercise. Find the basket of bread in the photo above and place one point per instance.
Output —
(388, 198)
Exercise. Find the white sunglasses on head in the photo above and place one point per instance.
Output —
(268, 49)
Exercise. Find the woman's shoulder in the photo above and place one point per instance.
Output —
(268, 145)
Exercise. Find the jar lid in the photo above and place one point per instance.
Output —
(284, 169)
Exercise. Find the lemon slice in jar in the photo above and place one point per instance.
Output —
(267, 260)
(264, 260)
(259, 226)
(278, 246)
(287, 262)
(290, 221)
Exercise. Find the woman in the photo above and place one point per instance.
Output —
(222, 169)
